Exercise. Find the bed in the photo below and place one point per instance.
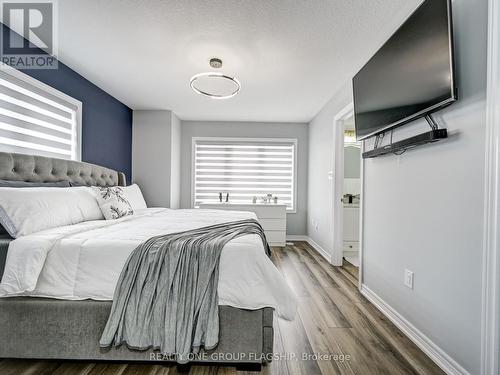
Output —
(60, 310)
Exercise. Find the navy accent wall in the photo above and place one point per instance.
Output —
(106, 122)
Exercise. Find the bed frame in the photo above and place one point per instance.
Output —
(70, 330)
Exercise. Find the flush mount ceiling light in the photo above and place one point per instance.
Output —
(215, 85)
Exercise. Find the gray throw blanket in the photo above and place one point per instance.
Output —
(166, 296)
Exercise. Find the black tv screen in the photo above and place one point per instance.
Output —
(410, 76)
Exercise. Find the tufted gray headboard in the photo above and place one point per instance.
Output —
(21, 167)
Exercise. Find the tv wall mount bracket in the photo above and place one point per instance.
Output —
(400, 147)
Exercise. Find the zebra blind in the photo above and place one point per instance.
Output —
(35, 121)
(244, 169)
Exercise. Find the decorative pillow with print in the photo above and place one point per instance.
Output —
(113, 202)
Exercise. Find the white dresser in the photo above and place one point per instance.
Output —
(271, 216)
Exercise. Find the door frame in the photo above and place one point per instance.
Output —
(337, 176)
(490, 328)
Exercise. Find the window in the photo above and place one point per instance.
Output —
(244, 168)
(37, 119)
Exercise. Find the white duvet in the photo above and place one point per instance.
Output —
(84, 261)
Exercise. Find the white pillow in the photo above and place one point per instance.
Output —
(134, 196)
(24, 211)
(113, 202)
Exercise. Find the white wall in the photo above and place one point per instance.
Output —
(321, 148)
(151, 140)
(175, 168)
(296, 223)
(424, 210)
(156, 156)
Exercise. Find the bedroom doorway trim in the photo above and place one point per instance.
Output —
(337, 177)
(490, 330)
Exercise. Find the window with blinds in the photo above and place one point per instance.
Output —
(36, 119)
(244, 169)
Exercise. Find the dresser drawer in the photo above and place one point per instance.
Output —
(263, 211)
(269, 212)
(276, 237)
(273, 224)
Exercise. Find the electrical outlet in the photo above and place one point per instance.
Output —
(316, 227)
(408, 278)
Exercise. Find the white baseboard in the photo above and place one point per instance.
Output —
(438, 355)
(291, 238)
(313, 244)
(325, 254)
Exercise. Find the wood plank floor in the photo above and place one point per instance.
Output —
(336, 331)
(351, 268)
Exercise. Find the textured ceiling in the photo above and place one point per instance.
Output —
(290, 55)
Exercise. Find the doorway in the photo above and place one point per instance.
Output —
(347, 194)
(351, 197)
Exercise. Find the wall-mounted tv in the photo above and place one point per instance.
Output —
(410, 76)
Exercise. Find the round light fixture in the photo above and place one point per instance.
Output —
(215, 85)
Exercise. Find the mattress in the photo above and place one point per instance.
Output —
(84, 261)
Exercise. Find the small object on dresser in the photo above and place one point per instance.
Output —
(220, 197)
(227, 197)
(275, 200)
(254, 200)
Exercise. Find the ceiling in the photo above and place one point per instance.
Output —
(290, 56)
